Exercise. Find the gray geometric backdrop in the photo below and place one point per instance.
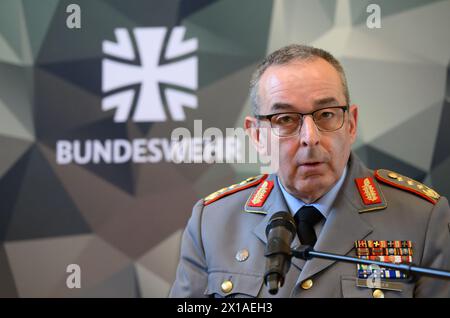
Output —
(122, 222)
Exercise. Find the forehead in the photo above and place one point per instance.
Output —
(300, 84)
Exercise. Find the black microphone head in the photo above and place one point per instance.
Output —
(284, 219)
(280, 232)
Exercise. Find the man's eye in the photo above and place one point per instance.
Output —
(284, 120)
(326, 115)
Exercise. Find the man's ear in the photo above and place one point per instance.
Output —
(353, 121)
(254, 131)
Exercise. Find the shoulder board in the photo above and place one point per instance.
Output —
(247, 183)
(399, 181)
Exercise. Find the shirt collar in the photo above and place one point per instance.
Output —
(323, 204)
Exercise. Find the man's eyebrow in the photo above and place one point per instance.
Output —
(323, 102)
(327, 101)
(282, 106)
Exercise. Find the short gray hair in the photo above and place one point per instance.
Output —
(287, 54)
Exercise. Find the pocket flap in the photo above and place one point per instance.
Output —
(224, 284)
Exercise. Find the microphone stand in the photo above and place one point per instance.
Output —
(306, 252)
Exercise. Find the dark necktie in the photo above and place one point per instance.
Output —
(306, 218)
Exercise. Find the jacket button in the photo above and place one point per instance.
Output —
(242, 255)
(307, 284)
(377, 293)
(226, 286)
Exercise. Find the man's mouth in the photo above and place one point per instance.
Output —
(311, 167)
(311, 164)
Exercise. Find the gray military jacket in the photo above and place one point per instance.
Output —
(228, 227)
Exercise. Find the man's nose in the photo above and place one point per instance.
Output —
(309, 133)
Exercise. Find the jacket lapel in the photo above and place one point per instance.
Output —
(275, 202)
(344, 224)
(342, 228)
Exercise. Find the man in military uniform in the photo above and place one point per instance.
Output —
(300, 95)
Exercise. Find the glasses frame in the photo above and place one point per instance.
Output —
(345, 108)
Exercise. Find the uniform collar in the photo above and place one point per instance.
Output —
(323, 204)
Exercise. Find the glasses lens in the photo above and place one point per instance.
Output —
(286, 124)
(329, 119)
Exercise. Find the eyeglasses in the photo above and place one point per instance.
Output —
(289, 124)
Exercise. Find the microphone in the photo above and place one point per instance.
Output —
(280, 233)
